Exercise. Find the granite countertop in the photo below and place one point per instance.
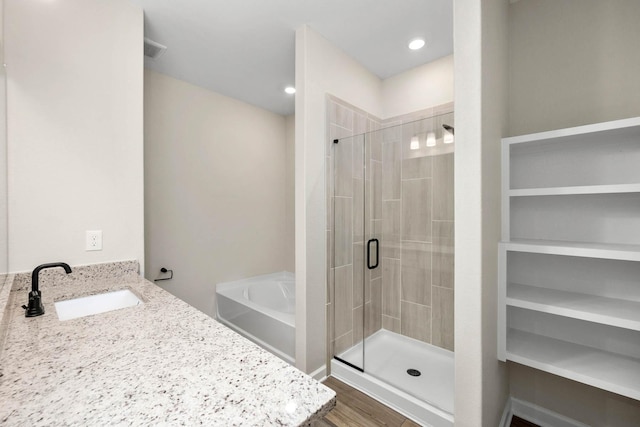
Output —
(162, 362)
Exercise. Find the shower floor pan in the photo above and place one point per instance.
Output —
(427, 398)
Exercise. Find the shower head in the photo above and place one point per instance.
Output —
(449, 129)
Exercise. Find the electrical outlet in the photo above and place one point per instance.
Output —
(94, 240)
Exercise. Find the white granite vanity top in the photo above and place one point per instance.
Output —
(160, 363)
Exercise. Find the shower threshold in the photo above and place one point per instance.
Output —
(426, 398)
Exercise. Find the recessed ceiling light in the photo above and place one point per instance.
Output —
(416, 44)
(290, 90)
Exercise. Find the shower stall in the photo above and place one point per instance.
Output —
(391, 272)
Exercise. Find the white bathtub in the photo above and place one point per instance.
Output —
(261, 308)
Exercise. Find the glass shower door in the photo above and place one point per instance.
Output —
(350, 248)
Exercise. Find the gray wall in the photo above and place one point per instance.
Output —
(215, 189)
(572, 62)
(75, 120)
(480, 100)
(290, 223)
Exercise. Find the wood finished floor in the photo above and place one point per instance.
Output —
(519, 422)
(354, 408)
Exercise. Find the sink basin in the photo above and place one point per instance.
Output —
(96, 304)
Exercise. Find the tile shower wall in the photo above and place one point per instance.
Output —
(409, 196)
(417, 229)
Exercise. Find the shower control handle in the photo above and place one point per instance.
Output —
(369, 266)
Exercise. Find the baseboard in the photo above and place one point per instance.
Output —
(535, 414)
(319, 374)
(507, 414)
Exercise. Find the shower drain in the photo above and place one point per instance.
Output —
(414, 372)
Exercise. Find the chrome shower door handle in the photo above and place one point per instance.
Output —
(369, 266)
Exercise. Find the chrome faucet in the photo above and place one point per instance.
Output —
(35, 296)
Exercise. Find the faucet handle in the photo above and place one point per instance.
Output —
(35, 305)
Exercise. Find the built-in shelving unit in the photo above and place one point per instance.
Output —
(602, 369)
(569, 276)
(592, 308)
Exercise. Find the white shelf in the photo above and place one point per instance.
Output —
(608, 371)
(607, 311)
(600, 160)
(625, 126)
(583, 189)
(580, 249)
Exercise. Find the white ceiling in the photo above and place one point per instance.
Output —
(245, 49)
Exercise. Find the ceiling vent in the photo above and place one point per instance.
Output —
(153, 50)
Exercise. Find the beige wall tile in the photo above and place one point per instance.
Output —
(359, 123)
(342, 343)
(391, 324)
(343, 167)
(418, 167)
(391, 287)
(391, 171)
(373, 123)
(443, 187)
(443, 315)
(443, 253)
(416, 210)
(410, 117)
(368, 202)
(340, 115)
(416, 125)
(343, 235)
(358, 209)
(416, 321)
(359, 161)
(358, 325)
(358, 274)
(391, 131)
(369, 321)
(376, 190)
(391, 214)
(446, 110)
(343, 304)
(376, 140)
(416, 272)
(367, 156)
(374, 314)
(335, 132)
